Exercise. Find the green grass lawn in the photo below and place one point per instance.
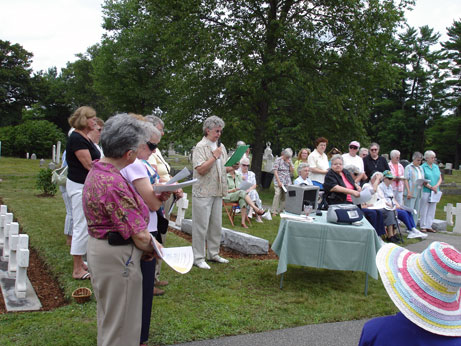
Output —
(241, 297)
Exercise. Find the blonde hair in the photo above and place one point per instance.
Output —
(79, 119)
(301, 150)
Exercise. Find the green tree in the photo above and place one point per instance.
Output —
(280, 71)
(16, 84)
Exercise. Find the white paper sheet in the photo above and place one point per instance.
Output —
(302, 218)
(245, 185)
(180, 259)
(420, 182)
(173, 187)
(435, 196)
(365, 196)
(184, 173)
(380, 204)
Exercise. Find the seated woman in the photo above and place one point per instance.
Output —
(386, 193)
(251, 191)
(303, 172)
(234, 194)
(339, 184)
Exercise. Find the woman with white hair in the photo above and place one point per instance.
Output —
(412, 193)
(303, 172)
(427, 208)
(208, 161)
(339, 185)
(283, 168)
(397, 170)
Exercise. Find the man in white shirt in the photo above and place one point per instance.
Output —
(353, 159)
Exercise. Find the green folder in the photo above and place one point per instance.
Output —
(237, 155)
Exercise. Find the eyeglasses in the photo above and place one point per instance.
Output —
(152, 146)
(353, 147)
(374, 149)
(245, 165)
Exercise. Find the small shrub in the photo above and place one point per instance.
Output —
(44, 182)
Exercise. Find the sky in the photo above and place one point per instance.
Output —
(56, 30)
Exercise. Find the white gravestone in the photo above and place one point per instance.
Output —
(53, 153)
(20, 286)
(457, 213)
(182, 205)
(6, 245)
(58, 152)
(449, 210)
(3, 211)
(5, 219)
(13, 246)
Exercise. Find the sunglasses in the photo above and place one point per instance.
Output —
(374, 149)
(152, 146)
(245, 165)
(353, 147)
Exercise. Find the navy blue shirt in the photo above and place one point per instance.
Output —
(397, 330)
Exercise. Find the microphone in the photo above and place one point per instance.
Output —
(219, 142)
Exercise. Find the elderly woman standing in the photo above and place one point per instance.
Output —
(399, 181)
(80, 154)
(118, 236)
(339, 184)
(318, 162)
(427, 208)
(208, 161)
(412, 192)
(302, 158)
(283, 167)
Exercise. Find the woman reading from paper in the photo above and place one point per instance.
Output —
(118, 221)
(141, 177)
(234, 194)
(428, 204)
(208, 161)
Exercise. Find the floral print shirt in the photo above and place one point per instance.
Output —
(111, 204)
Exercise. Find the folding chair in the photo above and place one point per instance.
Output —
(231, 207)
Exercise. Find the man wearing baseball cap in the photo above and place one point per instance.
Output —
(352, 159)
(426, 289)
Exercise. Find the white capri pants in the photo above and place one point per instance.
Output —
(80, 229)
(68, 224)
(426, 211)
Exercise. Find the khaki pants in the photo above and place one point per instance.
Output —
(278, 203)
(206, 227)
(118, 296)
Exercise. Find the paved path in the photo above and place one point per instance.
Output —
(326, 334)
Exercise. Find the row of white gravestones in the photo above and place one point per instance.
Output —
(456, 212)
(15, 251)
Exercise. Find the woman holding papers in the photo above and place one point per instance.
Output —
(431, 194)
(141, 177)
(250, 177)
(397, 171)
(208, 161)
(414, 175)
(236, 194)
(117, 220)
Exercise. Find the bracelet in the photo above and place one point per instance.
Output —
(214, 157)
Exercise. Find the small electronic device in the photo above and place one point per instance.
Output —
(300, 195)
(344, 213)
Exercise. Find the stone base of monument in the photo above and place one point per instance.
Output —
(439, 225)
(12, 302)
(238, 241)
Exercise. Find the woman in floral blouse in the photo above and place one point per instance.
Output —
(117, 221)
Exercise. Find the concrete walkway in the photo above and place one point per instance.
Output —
(326, 334)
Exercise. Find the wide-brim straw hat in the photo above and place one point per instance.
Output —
(425, 287)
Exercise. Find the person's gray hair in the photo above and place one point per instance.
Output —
(301, 166)
(212, 122)
(394, 153)
(416, 155)
(155, 132)
(121, 133)
(155, 120)
(337, 157)
(352, 169)
(362, 150)
(374, 144)
(240, 143)
(376, 174)
(428, 154)
(287, 152)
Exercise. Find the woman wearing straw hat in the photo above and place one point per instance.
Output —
(426, 289)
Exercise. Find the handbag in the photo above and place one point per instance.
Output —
(162, 222)
(59, 176)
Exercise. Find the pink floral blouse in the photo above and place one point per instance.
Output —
(397, 185)
(111, 204)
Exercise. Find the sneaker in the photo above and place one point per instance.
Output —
(219, 259)
(202, 265)
(421, 234)
(412, 234)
